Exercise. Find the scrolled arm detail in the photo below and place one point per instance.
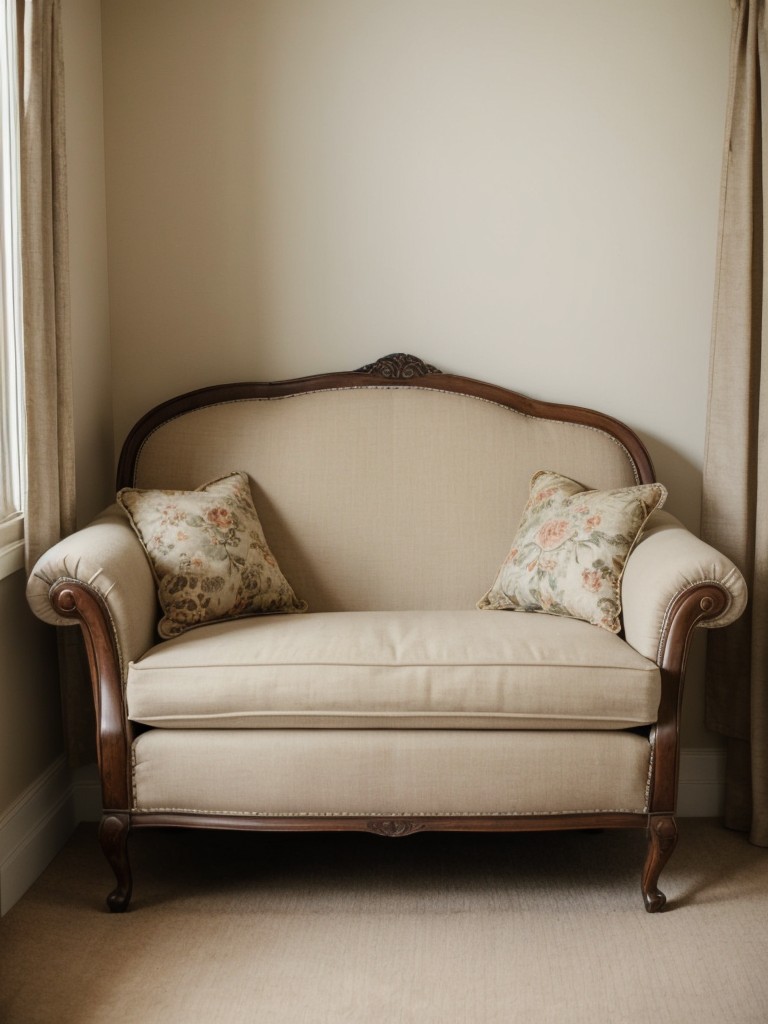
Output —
(64, 602)
(100, 579)
(107, 560)
(691, 607)
(674, 582)
(74, 599)
(670, 568)
(695, 605)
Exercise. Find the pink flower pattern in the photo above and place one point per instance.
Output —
(592, 579)
(571, 548)
(208, 553)
(553, 533)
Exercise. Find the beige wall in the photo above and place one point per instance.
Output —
(92, 368)
(521, 192)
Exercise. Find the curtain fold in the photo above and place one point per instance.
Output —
(50, 504)
(50, 471)
(735, 485)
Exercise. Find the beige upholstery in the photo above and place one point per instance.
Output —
(382, 499)
(462, 670)
(109, 558)
(668, 560)
(389, 771)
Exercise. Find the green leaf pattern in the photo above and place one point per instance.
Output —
(570, 550)
(208, 553)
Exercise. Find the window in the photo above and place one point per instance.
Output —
(11, 377)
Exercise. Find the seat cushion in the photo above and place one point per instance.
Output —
(432, 669)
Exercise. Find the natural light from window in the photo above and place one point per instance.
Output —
(11, 395)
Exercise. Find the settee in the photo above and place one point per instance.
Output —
(402, 637)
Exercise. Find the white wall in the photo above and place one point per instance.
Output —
(521, 192)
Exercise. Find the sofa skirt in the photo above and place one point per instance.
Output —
(389, 772)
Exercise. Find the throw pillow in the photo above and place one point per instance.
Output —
(208, 554)
(571, 548)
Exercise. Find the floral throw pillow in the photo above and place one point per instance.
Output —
(208, 554)
(570, 550)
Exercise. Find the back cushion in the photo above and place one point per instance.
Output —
(382, 498)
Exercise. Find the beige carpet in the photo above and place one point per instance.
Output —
(309, 929)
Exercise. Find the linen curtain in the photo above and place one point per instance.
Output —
(50, 470)
(50, 505)
(735, 491)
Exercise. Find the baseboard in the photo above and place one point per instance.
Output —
(86, 786)
(701, 790)
(38, 824)
(33, 830)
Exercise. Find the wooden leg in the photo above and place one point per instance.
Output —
(113, 835)
(662, 839)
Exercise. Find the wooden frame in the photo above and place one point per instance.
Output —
(75, 599)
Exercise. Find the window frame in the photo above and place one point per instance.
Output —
(11, 350)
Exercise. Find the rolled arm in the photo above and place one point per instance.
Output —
(106, 560)
(669, 567)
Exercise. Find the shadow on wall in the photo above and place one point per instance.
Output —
(680, 476)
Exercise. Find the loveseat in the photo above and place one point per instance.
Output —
(390, 599)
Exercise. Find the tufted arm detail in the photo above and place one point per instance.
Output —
(106, 560)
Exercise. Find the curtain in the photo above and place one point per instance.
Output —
(735, 486)
(50, 498)
(50, 505)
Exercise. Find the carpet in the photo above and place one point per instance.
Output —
(331, 928)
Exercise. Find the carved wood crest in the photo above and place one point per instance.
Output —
(393, 829)
(399, 366)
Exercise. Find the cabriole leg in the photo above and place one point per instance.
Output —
(662, 839)
(113, 836)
